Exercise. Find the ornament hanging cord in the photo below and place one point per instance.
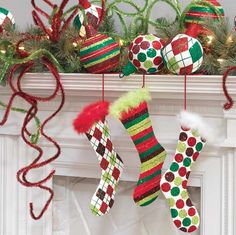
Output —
(185, 92)
(144, 78)
(103, 87)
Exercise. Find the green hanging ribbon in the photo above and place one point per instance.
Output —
(147, 18)
(141, 16)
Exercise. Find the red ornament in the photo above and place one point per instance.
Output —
(197, 13)
(99, 53)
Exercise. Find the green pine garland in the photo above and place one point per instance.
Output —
(220, 54)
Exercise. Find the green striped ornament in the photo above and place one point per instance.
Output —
(99, 54)
(199, 12)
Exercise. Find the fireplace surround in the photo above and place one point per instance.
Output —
(212, 179)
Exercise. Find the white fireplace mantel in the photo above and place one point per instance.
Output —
(214, 171)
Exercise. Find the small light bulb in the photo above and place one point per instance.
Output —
(220, 61)
(75, 44)
(3, 51)
(121, 42)
(210, 39)
(22, 48)
(230, 39)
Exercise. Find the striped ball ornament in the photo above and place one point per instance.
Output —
(183, 55)
(100, 53)
(200, 11)
(6, 19)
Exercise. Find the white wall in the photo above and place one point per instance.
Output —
(21, 9)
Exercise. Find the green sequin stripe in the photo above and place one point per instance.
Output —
(96, 46)
(144, 138)
(151, 150)
(205, 9)
(136, 120)
(190, 19)
(147, 178)
(102, 58)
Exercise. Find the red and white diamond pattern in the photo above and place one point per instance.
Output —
(111, 165)
(6, 19)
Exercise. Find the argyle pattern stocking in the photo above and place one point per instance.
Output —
(110, 162)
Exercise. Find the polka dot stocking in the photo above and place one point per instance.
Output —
(174, 181)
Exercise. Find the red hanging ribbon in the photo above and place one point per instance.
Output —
(57, 28)
(230, 101)
(31, 114)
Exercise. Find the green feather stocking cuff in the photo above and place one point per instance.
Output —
(128, 101)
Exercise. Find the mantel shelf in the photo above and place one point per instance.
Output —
(159, 85)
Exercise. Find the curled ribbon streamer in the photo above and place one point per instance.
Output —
(141, 14)
(230, 101)
(146, 19)
(55, 19)
(30, 115)
(34, 137)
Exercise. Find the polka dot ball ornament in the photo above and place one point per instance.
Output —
(6, 19)
(197, 12)
(93, 14)
(183, 55)
(175, 180)
(99, 53)
(144, 55)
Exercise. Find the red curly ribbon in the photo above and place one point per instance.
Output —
(31, 114)
(57, 28)
(230, 101)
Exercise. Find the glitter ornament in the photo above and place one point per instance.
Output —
(99, 53)
(183, 55)
(6, 19)
(93, 14)
(144, 55)
(197, 13)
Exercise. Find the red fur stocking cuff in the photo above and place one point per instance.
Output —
(90, 115)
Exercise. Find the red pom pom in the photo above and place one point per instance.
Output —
(90, 115)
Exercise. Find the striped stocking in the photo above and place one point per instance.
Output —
(132, 111)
